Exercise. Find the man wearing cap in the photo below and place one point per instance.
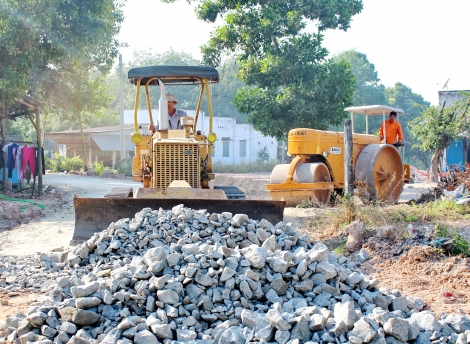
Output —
(393, 130)
(174, 115)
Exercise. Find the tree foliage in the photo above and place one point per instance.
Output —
(222, 93)
(50, 48)
(368, 89)
(437, 127)
(37, 37)
(290, 83)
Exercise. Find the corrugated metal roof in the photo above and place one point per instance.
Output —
(95, 130)
(112, 142)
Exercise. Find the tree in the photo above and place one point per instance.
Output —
(38, 36)
(368, 89)
(437, 127)
(290, 81)
(224, 92)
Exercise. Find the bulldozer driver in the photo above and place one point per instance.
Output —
(174, 115)
(392, 130)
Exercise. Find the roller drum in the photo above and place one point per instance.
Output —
(304, 173)
(379, 173)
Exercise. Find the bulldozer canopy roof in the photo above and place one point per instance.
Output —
(173, 74)
(373, 110)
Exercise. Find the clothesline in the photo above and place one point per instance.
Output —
(14, 141)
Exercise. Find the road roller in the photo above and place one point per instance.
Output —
(317, 168)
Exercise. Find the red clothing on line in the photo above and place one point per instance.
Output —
(29, 155)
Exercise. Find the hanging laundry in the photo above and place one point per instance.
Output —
(11, 158)
(29, 160)
(2, 157)
(19, 161)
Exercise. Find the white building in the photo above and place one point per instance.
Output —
(235, 142)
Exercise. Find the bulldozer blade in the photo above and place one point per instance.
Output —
(95, 214)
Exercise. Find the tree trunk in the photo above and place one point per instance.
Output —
(434, 169)
(84, 157)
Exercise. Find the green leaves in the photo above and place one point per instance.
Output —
(289, 82)
(437, 127)
(39, 36)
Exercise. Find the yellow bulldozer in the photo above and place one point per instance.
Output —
(317, 168)
(174, 166)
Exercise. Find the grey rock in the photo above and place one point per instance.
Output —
(68, 327)
(277, 321)
(168, 296)
(232, 335)
(84, 290)
(162, 331)
(145, 337)
(256, 256)
(185, 335)
(399, 304)
(318, 252)
(37, 318)
(345, 312)
(87, 302)
(426, 321)
(397, 328)
(203, 279)
(363, 330)
(282, 337)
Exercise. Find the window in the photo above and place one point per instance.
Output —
(242, 148)
(226, 147)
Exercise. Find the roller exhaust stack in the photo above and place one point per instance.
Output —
(162, 108)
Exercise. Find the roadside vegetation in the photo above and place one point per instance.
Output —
(329, 222)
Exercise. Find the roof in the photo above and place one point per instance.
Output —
(373, 110)
(21, 107)
(112, 143)
(92, 130)
(173, 74)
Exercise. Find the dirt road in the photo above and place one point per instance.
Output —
(55, 231)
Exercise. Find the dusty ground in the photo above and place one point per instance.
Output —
(404, 265)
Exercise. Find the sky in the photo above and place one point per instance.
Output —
(420, 43)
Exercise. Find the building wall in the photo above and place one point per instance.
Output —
(231, 134)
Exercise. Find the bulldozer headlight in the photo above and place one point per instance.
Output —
(136, 138)
(211, 137)
(325, 153)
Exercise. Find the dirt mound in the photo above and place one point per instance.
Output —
(18, 209)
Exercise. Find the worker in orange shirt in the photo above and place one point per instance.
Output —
(392, 130)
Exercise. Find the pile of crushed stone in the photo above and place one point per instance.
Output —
(186, 275)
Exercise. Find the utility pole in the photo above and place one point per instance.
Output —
(348, 155)
(121, 113)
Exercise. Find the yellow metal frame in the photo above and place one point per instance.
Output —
(144, 150)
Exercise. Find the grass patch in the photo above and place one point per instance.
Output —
(338, 247)
(334, 219)
(458, 244)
